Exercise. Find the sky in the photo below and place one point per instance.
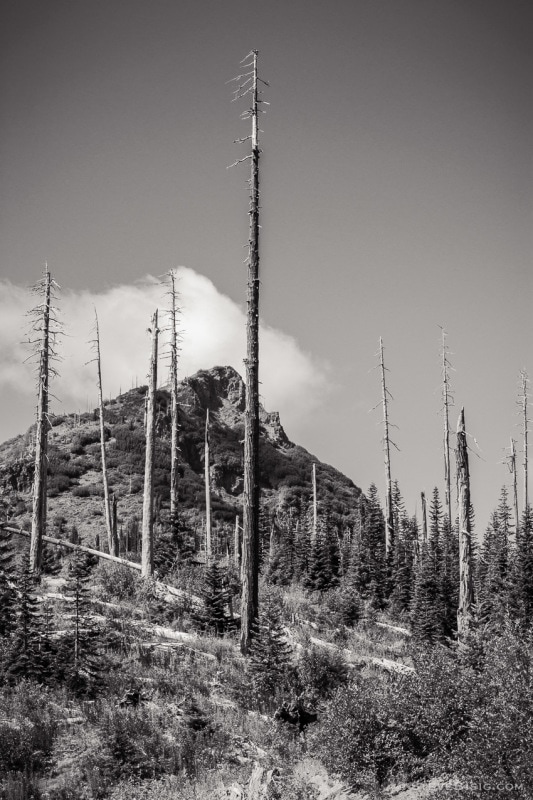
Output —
(396, 192)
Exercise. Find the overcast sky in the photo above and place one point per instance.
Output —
(397, 196)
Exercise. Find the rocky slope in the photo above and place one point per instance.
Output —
(75, 485)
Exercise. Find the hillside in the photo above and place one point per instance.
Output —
(75, 484)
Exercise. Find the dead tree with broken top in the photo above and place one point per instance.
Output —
(523, 399)
(447, 401)
(174, 429)
(465, 612)
(45, 328)
(387, 441)
(147, 552)
(207, 476)
(110, 517)
(248, 85)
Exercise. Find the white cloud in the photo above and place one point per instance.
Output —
(292, 382)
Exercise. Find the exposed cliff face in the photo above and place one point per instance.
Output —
(74, 459)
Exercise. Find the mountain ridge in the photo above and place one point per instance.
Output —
(75, 484)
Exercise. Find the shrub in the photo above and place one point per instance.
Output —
(28, 726)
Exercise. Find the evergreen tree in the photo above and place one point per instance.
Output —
(426, 617)
(23, 657)
(522, 571)
(213, 615)
(80, 662)
(270, 655)
(372, 576)
(7, 588)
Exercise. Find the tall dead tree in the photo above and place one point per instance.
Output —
(387, 441)
(174, 430)
(45, 326)
(248, 84)
(424, 518)
(512, 468)
(523, 399)
(147, 553)
(112, 536)
(315, 506)
(207, 474)
(447, 401)
(466, 576)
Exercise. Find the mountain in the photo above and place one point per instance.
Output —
(74, 472)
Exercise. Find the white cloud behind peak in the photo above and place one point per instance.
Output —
(213, 333)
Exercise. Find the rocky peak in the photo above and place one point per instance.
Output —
(222, 391)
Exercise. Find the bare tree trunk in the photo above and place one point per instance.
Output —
(207, 475)
(250, 543)
(147, 554)
(424, 518)
(112, 539)
(447, 399)
(466, 585)
(174, 444)
(524, 399)
(237, 543)
(389, 515)
(38, 522)
(515, 489)
(315, 508)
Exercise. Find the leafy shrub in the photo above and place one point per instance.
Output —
(81, 491)
(321, 672)
(28, 726)
(408, 727)
(116, 581)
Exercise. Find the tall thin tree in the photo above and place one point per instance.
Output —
(174, 442)
(147, 553)
(46, 326)
(112, 536)
(512, 468)
(385, 396)
(447, 401)
(466, 573)
(207, 474)
(315, 506)
(248, 84)
(523, 399)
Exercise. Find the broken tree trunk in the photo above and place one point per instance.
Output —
(515, 489)
(237, 543)
(315, 509)
(112, 538)
(465, 611)
(389, 515)
(147, 553)
(207, 478)
(447, 399)
(424, 518)
(174, 431)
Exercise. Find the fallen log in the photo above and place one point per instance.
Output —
(116, 559)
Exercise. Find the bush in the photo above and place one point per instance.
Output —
(28, 726)
(321, 672)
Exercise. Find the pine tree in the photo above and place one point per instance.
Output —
(372, 575)
(7, 588)
(213, 616)
(23, 658)
(522, 573)
(270, 655)
(426, 617)
(80, 660)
